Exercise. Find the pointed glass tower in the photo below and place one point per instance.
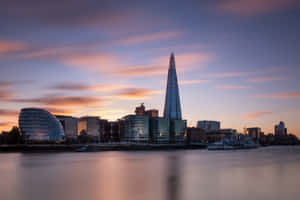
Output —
(172, 103)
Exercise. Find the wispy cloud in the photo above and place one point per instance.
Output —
(73, 86)
(232, 87)
(9, 46)
(101, 62)
(136, 93)
(256, 115)
(117, 66)
(285, 95)
(189, 82)
(149, 37)
(141, 70)
(58, 13)
(53, 100)
(187, 59)
(8, 113)
(5, 90)
(60, 111)
(254, 7)
(228, 74)
(268, 79)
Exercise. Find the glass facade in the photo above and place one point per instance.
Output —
(39, 125)
(178, 131)
(136, 128)
(159, 129)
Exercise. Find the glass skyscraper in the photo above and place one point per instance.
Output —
(172, 110)
(172, 103)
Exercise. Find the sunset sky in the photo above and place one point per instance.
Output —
(238, 61)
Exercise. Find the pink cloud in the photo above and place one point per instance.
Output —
(286, 95)
(117, 65)
(254, 7)
(267, 79)
(94, 62)
(73, 86)
(256, 115)
(60, 111)
(58, 100)
(189, 82)
(229, 74)
(8, 113)
(136, 93)
(149, 37)
(232, 87)
(186, 60)
(9, 46)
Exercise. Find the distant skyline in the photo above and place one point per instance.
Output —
(237, 61)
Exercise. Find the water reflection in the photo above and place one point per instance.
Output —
(173, 178)
(262, 174)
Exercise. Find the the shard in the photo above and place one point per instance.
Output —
(172, 103)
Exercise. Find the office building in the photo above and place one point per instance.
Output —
(209, 125)
(90, 126)
(280, 129)
(196, 135)
(177, 131)
(159, 130)
(39, 125)
(254, 133)
(172, 109)
(140, 110)
(152, 113)
(70, 126)
(136, 128)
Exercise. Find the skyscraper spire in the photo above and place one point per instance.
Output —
(172, 103)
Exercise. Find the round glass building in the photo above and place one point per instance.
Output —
(39, 125)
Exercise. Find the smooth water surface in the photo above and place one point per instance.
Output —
(268, 173)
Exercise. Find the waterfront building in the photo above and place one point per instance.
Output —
(172, 109)
(209, 125)
(159, 130)
(178, 131)
(196, 135)
(140, 110)
(39, 125)
(280, 129)
(114, 131)
(152, 113)
(136, 128)
(70, 126)
(217, 135)
(254, 133)
(90, 126)
(104, 126)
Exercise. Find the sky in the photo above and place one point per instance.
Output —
(237, 61)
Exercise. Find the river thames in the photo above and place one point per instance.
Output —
(266, 173)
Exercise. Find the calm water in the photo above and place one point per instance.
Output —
(264, 173)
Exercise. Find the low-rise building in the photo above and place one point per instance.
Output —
(39, 125)
(70, 126)
(136, 128)
(280, 129)
(178, 131)
(90, 126)
(254, 133)
(159, 130)
(196, 135)
(209, 125)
